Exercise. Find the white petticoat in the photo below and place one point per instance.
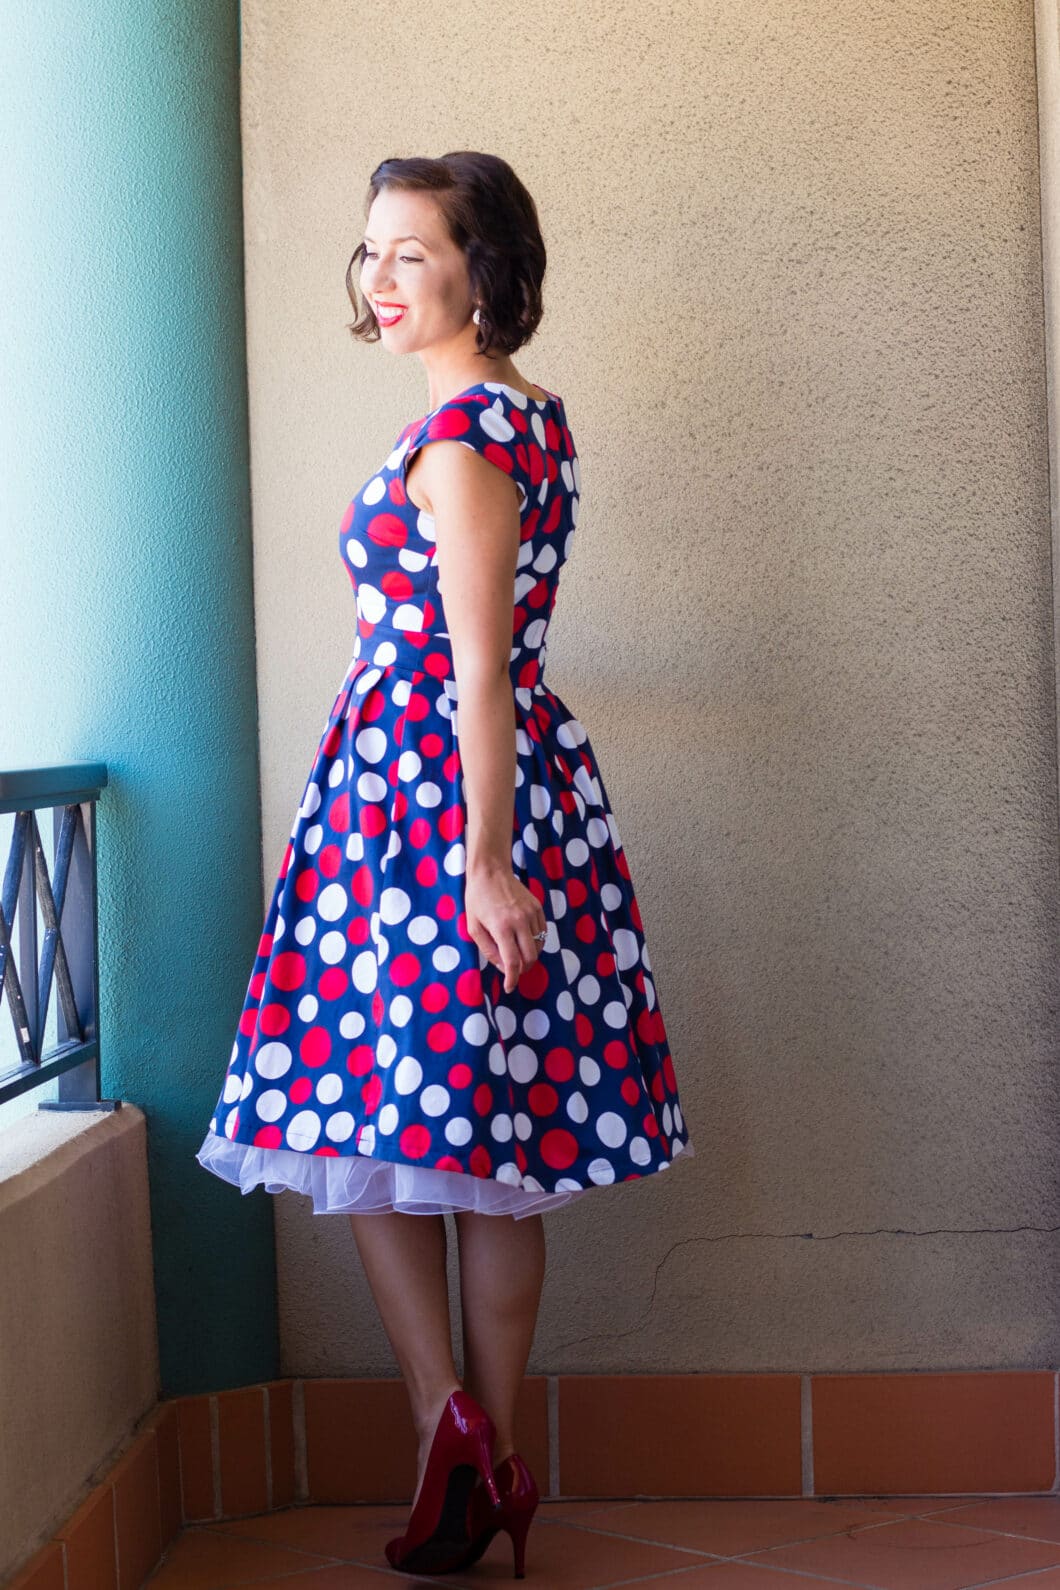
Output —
(359, 1184)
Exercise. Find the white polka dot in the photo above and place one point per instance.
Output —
(401, 1009)
(232, 1088)
(339, 1126)
(307, 1007)
(332, 902)
(434, 1100)
(304, 1130)
(611, 1129)
(588, 990)
(394, 906)
(371, 603)
(522, 1063)
(365, 972)
(577, 1108)
(576, 852)
(476, 1029)
(332, 947)
(501, 1128)
(589, 1071)
(495, 425)
(271, 1104)
(408, 1075)
(497, 1063)
(272, 1060)
(375, 491)
(639, 1151)
(388, 1119)
(524, 1126)
(601, 1171)
(370, 787)
(458, 1131)
(371, 744)
(408, 617)
(455, 861)
(422, 929)
(428, 794)
(310, 800)
(351, 1024)
(385, 1051)
(305, 930)
(329, 1088)
(536, 1023)
(311, 839)
(615, 1015)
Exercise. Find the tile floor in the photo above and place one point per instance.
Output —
(894, 1543)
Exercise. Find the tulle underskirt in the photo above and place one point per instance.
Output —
(359, 1184)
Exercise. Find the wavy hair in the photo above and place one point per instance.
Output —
(491, 216)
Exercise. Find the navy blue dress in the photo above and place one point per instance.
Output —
(378, 1062)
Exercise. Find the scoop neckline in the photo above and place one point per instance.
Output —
(550, 397)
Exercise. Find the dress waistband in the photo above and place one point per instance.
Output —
(429, 654)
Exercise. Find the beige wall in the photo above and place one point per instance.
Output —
(78, 1341)
(794, 307)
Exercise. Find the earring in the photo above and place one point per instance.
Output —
(477, 317)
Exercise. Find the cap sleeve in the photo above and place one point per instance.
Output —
(488, 424)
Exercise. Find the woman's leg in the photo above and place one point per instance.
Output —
(404, 1259)
(502, 1272)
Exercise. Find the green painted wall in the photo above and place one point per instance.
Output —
(126, 596)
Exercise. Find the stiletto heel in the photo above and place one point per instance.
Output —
(519, 1499)
(460, 1452)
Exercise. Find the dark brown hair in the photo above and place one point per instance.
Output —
(492, 217)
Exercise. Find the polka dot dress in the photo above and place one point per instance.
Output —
(378, 1062)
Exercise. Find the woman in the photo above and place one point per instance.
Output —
(452, 1009)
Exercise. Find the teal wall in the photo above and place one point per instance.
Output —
(126, 600)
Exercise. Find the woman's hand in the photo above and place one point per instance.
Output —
(502, 918)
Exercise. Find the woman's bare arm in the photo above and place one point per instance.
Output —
(476, 515)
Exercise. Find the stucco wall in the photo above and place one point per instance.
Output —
(794, 307)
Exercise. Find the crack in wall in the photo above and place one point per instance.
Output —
(802, 1236)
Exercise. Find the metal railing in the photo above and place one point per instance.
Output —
(59, 952)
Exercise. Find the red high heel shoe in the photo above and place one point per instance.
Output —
(461, 1449)
(519, 1498)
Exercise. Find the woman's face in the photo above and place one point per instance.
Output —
(413, 274)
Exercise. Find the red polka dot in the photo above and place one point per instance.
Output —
(404, 969)
(543, 1099)
(441, 1037)
(333, 984)
(274, 1020)
(268, 1137)
(415, 1141)
(559, 1148)
(288, 970)
(315, 1048)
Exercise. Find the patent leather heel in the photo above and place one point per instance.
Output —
(519, 1499)
(461, 1453)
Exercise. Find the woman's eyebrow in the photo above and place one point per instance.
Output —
(411, 238)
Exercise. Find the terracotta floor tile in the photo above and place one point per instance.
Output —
(915, 1554)
(565, 1557)
(361, 1531)
(204, 1559)
(1034, 1517)
(730, 1528)
(354, 1576)
(737, 1576)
